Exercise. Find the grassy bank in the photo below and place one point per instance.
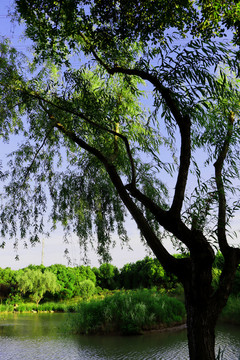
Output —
(127, 313)
(31, 307)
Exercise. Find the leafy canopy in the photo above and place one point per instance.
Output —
(89, 137)
(37, 283)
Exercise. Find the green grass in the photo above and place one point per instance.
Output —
(31, 307)
(128, 312)
(6, 308)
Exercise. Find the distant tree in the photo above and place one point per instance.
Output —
(37, 283)
(86, 289)
(66, 279)
(146, 273)
(107, 276)
(84, 273)
(7, 276)
(7, 281)
(69, 278)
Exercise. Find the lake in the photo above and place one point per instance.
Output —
(41, 337)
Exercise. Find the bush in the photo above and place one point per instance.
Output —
(128, 313)
(231, 312)
(21, 308)
(86, 289)
(6, 308)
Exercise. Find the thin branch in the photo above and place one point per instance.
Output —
(101, 62)
(183, 122)
(185, 156)
(35, 156)
(145, 75)
(165, 92)
(17, 104)
(220, 187)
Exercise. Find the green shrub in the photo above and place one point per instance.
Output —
(86, 289)
(127, 312)
(21, 308)
(215, 277)
(231, 312)
(71, 308)
(53, 306)
(6, 308)
(89, 317)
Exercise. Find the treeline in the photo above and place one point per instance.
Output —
(146, 273)
(57, 282)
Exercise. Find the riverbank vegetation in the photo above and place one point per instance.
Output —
(129, 312)
(140, 296)
(84, 281)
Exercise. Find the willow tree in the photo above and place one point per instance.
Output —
(101, 154)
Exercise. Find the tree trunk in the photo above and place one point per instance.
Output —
(201, 322)
(202, 310)
(204, 304)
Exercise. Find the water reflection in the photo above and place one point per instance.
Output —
(39, 337)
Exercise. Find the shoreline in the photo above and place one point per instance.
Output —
(172, 328)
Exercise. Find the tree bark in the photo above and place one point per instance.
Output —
(201, 305)
(204, 304)
(201, 322)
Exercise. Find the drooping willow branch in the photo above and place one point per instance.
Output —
(169, 261)
(36, 154)
(81, 115)
(183, 122)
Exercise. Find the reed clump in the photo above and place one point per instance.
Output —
(127, 312)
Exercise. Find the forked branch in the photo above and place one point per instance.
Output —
(183, 122)
(170, 263)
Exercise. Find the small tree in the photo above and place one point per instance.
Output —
(37, 283)
(86, 289)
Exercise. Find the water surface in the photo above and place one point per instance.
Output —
(40, 337)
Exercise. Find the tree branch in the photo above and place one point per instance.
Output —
(184, 124)
(165, 218)
(168, 261)
(36, 154)
(185, 156)
(116, 134)
(103, 128)
(222, 239)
